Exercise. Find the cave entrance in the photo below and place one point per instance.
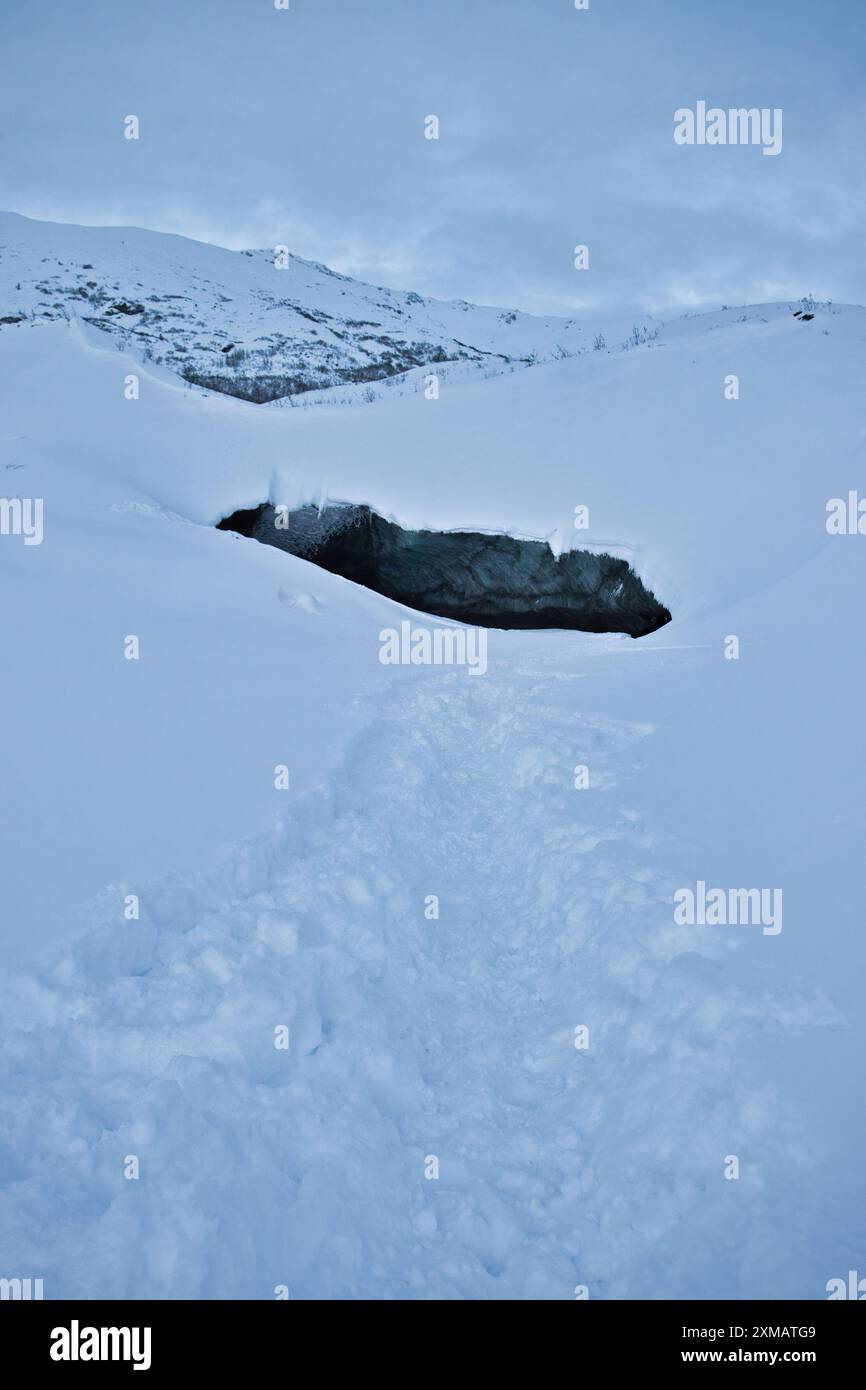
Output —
(465, 576)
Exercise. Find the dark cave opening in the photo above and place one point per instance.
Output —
(465, 576)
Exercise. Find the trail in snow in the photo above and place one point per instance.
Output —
(454, 1037)
(408, 1038)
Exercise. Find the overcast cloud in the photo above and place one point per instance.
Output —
(261, 127)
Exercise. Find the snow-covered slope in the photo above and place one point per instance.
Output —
(261, 325)
(411, 1036)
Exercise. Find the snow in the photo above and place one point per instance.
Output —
(259, 324)
(413, 1036)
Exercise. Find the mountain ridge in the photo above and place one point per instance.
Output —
(262, 325)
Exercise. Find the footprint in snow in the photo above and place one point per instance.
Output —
(308, 602)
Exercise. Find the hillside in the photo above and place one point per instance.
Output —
(234, 322)
(414, 1036)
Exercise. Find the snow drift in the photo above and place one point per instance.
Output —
(489, 580)
(451, 899)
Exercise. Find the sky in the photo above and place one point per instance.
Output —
(305, 127)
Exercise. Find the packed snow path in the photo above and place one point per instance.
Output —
(411, 1038)
(453, 1037)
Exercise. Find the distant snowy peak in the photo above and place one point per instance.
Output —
(261, 325)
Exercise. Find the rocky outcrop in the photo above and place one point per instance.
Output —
(468, 576)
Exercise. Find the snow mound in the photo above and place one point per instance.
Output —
(414, 1036)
